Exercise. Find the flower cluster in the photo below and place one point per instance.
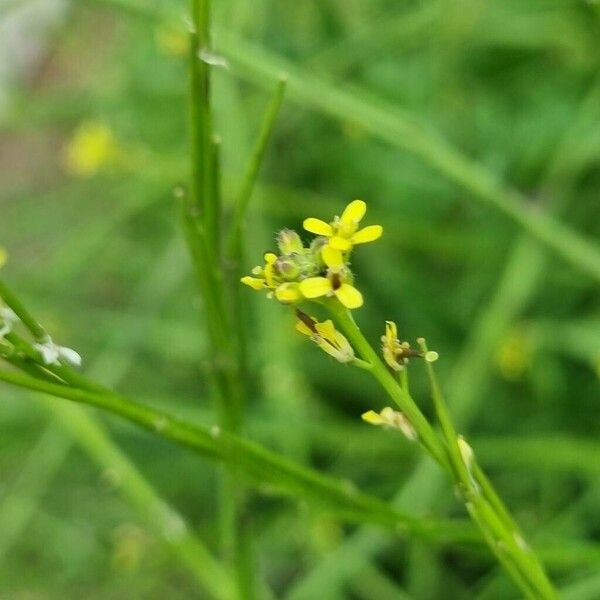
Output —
(321, 269)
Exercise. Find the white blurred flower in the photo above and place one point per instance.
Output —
(7, 319)
(53, 354)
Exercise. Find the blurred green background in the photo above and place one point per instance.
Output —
(92, 144)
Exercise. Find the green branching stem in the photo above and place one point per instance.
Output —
(426, 435)
(255, 461)
(478, 492)
(483, 504)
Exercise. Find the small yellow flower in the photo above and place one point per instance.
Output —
(92, 148)
(335, 283)
(172, 42)
(397, 353)
(326, 336)
(3, 256)
(513, 357)
(343, 232)
(390, 418)
(266, 278)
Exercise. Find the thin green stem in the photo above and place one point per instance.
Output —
(461, 470)
(11, 300)
(206, 198)
(427, 436)
(254, 461)
(485, 505)
(215, 226)
(522, 567)
(234, 239)
(201, 121)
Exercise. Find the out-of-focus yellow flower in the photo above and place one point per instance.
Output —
(343, 232)
(513, 355)
(92, 148)
(335, 284)
(171, 41)
(3, 256)
(393, 419)
(326, 336)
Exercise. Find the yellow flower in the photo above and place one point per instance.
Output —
(397, 353)
(390, 418)
(266, 277)
(333, 284)
(513, 357)
(343, 232)
(326, 336)
(92, 147)
(3, 256)
(170, 41)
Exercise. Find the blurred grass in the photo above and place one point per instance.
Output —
(507, 85)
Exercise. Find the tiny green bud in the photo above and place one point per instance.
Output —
(289, 242)
(287, 268)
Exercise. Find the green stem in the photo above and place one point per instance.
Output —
(234, 239)
(255, 461)
(201, 121)
(486, 507)
(37, 331)
(427, 436)
(522, 566)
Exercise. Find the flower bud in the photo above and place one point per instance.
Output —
(289, 242)
(287, 268)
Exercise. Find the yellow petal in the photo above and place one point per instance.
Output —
(373, 418)
(349, 296)
(269, 275)
(303, 328)
(339, 243)
(367, 234)
(332, 257)
(317, 226)
(354, 212)
(326, 330)
(314, 287)
(391, 331)
(288, 292)
(253, 282)
(270, 258)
